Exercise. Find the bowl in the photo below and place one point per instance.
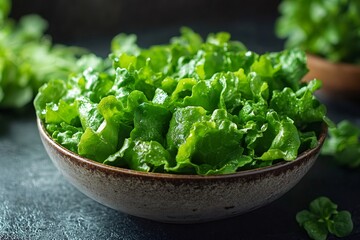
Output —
(179, 198)
(341, 80)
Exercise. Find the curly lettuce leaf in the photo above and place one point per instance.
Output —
(285, 143)
(49, 93)
(180, 124)
(147, 156)
(301, 106)
(151, 123)
(211, 146)
(66, 135)
(291, 67)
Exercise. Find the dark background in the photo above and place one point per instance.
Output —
(81, 19)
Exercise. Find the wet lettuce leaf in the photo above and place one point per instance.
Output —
(66, 134)
(301, 105)
(151, 122)
(202, 152)
(191, 106)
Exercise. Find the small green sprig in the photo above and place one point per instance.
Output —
(323, 218)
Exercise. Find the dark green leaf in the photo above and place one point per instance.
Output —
(304, 216)
(323, 207)
(316, 230)
(342, 224)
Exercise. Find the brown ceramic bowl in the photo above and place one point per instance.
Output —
(179, 198)
(339, 79)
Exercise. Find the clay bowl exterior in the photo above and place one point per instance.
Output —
(179, 198)
(339, 79)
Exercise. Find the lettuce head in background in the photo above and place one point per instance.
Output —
(28, 58)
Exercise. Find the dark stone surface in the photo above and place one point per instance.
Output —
(37, 203)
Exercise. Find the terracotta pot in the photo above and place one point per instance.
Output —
(339, 79)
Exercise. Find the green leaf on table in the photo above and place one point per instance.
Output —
(323, 207)
(323, 218)
(316, 230)
(342, 224)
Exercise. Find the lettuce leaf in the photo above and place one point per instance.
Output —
(211, 146)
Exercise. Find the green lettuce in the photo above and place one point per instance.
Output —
(191, 106)
(28, 58)
(330, 29)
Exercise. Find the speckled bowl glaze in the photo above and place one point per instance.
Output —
(179, 198)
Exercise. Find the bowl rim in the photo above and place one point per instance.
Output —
(171, 176)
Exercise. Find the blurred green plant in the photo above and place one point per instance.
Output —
(28, 58)
(343, 143)
(328, 28)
